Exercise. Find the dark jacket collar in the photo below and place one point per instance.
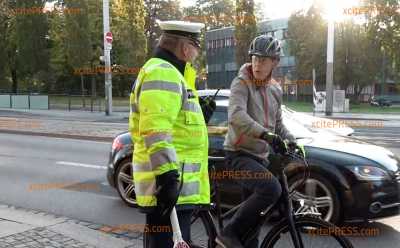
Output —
(164, 54)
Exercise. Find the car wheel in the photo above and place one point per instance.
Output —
(124, 182)
(316, 196)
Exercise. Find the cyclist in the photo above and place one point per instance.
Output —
(255, 124)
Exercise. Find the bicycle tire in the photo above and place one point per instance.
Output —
(303, 222)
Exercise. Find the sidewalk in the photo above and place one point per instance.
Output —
(64, 124)
(99, 127)
(20, 228)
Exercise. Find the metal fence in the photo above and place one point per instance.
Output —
(53, 101)
(76, 102)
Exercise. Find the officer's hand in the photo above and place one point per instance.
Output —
(278, 145)
(167, 194)
(296, 148)
(208, 107)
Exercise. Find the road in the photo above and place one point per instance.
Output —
(388, 137)
(33, 168)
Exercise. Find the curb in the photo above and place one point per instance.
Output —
(58, 135)
(109, 230)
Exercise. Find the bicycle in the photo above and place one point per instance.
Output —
(292, 231)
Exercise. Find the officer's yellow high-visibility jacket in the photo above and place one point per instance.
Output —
(168, 132)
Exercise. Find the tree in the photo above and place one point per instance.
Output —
(307, 34)
(130, 40)
(161, 10)
(384, 26)
(245, 29)
(213, 13)
(24, 43)
(77, 38)
(357, 57)
(4, 27)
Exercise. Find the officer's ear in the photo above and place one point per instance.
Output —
(185, 50)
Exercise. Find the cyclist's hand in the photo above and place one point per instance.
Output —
(296, 148)
(278, 145)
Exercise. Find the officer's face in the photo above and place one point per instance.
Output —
(190, 51)
(262, 66)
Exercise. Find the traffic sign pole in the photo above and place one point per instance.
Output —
(107, 49)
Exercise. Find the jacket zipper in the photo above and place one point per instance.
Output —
(263, 90)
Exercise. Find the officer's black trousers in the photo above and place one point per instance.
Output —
(159, 231)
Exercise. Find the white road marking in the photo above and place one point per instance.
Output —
(105, 183)
(81, 165)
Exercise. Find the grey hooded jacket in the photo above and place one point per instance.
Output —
(252, 110)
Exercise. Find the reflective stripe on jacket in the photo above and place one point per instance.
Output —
(168, 132)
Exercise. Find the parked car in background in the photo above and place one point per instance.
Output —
(380, 102)
(351, 180)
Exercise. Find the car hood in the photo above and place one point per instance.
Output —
(354, 146)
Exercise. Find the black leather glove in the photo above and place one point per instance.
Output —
(299, 149)
(167, 194)
(208, 107)
(278, 145)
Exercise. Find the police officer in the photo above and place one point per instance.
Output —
(169, 134)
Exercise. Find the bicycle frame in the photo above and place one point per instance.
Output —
(284, 202)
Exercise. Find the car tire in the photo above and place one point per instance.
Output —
(319, 189)
(124, 182)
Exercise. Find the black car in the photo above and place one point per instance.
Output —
(351, 180)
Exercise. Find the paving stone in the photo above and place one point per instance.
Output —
(42, 238)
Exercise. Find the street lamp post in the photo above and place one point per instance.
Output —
(329, 68)
(107, 49)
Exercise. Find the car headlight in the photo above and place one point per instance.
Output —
(369, 173)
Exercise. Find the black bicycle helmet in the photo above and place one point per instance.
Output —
(265, 46)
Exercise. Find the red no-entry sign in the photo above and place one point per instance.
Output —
(109, 37)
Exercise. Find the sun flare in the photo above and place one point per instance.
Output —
(340, 10)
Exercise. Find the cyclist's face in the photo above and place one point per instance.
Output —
(262, 66)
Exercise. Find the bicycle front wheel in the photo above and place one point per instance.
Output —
(313, 233)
